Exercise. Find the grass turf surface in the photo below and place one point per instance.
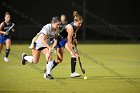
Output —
(110, 68)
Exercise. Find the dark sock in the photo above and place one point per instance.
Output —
(73, 64)
(54, 64)
(7, 52)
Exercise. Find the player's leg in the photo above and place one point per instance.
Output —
(59, 55)
(59, 59)
(60, 49)
(1, 46)
(8, 44)
(31, 59)
(52, 64)
(49, 63)
(2, 41)
(73, 63)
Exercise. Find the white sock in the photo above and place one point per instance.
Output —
(29, 58)
(49, 67)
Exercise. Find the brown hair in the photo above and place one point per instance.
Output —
(77, 16)
(55, 19)
(7, 13)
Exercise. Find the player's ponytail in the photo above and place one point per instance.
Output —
(77, 16)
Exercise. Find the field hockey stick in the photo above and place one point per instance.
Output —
(52, 49)
(55, 41)
(58, 35)
(61, 30)
(82, 69)
(7, 31)
(54, 45)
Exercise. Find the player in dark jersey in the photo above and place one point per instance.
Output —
(63, 24)
(4, 36)
(65, 39)
(63, 20)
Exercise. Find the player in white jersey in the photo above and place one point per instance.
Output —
(42, 44)
(67, 39)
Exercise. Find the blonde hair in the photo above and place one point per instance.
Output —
(76, 16)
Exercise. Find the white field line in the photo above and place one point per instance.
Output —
(107, 66)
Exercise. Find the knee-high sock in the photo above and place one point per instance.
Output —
(49, 66)
(54, 64)
(29, 58)
(73, 64)
(7, 52)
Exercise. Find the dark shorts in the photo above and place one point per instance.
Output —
(61, 42)
(40, 48)
(4, 38)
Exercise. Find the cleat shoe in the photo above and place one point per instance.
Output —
(23, 61)
(6, 59)
(74, 74)
(48, 77)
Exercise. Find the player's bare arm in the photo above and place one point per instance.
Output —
(70, 33)
(1, 26)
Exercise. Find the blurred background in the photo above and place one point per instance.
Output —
(104, 20)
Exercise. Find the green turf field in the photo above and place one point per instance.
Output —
(110, 68)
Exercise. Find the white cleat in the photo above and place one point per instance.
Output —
(48, 77)
(74, 74)
(6, 59)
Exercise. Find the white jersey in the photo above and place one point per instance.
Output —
(47, 30)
